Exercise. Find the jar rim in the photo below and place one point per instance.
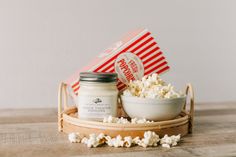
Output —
(98, 77)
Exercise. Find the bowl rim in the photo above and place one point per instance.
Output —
(152, 99)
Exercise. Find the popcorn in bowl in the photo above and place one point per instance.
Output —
(151, 87)
(153, 99)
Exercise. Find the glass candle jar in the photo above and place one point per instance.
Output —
(97, 96)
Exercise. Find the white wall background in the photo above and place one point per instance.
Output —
(42, 42)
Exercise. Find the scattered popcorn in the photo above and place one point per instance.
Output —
(93, 140)
(140, 121)
(101, 138)
(123, 120)
(167, 141)
(84, 140)
(118, 142)
(109, 141)
(109, 119)
(136, 140)
(151, 87)
(150, 139)
(74, 137)
(128, 141)
(115, 142)
(134, 120)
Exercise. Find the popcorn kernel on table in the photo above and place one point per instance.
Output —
(150, 139)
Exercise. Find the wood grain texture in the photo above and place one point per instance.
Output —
(33, 132)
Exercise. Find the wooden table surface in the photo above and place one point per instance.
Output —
(33, 132)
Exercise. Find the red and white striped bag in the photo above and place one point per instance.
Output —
(135, 55)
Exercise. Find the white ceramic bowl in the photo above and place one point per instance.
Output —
(153, 109)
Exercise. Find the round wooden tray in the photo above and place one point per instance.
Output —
(68, 121)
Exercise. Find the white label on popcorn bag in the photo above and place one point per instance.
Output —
(96, 107)
(128, 66)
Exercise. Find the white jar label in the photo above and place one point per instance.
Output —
(97, 107)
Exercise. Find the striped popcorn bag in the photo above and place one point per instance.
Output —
(135, 55)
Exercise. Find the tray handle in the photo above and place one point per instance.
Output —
(62, 101)
(189, 93)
